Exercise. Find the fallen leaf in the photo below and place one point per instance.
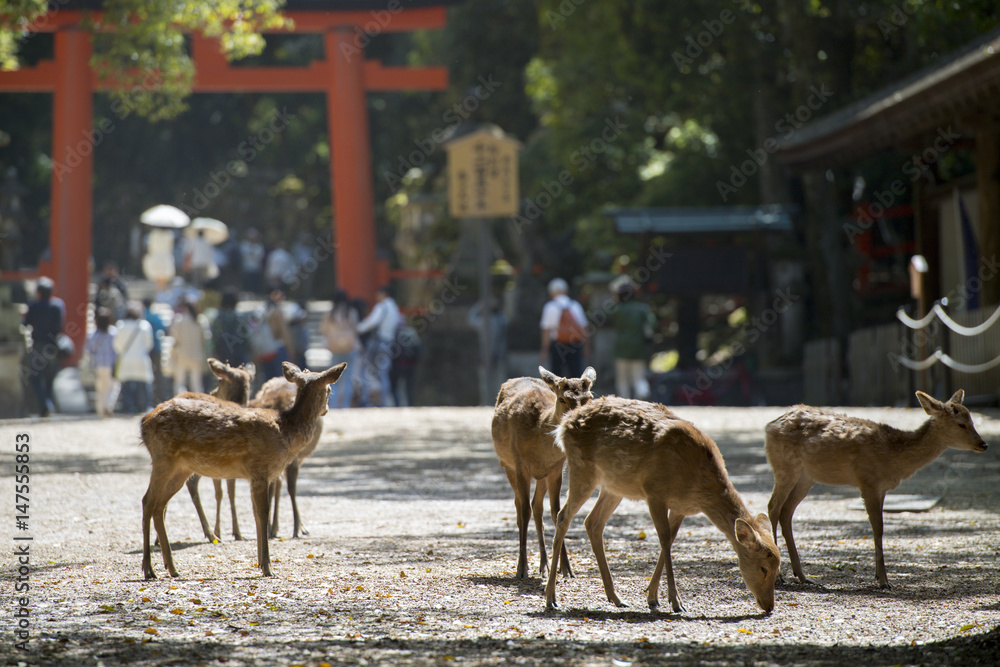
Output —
(151, 631)
(966, 628)
(642, 534)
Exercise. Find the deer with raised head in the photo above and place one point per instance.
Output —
(808, 445)
(643, 451)
(279, 394)
(527, 412)
(222, 440)
(234, 386)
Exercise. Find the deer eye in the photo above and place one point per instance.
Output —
(962, 426)
(764, 570)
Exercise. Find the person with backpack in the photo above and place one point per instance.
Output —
(563, 332)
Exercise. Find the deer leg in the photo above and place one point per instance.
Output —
(554, 484)
(217, 483)
(606, 504)
(192, 485)
(522, 486)
(783, 485)
(652, 593)
(666, 531)
(582, 482)
(231, 489)
(292, 475)
(274, 496)
(154, 505)
(259, 495)
(873, 503)
(537, 510)
(794, 498)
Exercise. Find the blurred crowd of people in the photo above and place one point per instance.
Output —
(124, 359)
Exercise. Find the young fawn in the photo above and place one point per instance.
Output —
(808, 445)
(527, 412)
(639, 450)
(234, 386)
(222, 440)
(279, 394)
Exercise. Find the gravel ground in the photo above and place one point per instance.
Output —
(412, 548)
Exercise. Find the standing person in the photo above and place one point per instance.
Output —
(340, 328)
(382, 322)
(305, 265)
(270, 338)
(633, 322)
(404, 364)
(45, 316)
(110, 272)
(279, 267)
(111, 297)
(156, 354)
(229, 331)
(200, 260)
(132, 343)
(188, 354)
(101, 348)
(252, 262)
(562, 326)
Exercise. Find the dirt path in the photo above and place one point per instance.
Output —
(412, 547)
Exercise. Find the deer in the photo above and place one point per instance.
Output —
(643, 451)
(223, 440)
(526, 414)
(234, 386)
(808, 445)
(279, 394)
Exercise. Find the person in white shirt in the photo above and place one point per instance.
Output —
(562, 343)
(382, 322)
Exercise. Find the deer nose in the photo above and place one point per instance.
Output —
(981, 446)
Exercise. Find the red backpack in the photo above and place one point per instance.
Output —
(569, 332)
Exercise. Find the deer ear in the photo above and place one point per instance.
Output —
(763, 523)
(589, 374)
(250, 369)
(331, 375)
(931, 405)
(957, 397)
(292, 372)
(745, 534)
(550, 378)
(219, 369)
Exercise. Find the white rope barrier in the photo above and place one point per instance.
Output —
(938, 355)
(939, 312)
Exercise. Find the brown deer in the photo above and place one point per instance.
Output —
(639, 450)
(279, 394)
(526, 415)
(234, 386)
(808, 445)
(222, 440)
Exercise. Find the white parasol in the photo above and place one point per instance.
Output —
(214, 231)
(165, 215)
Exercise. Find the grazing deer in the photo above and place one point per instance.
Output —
(639, 450)
(234, 386)
(222, 440)
(808, 445)
(279, 394)
(527, 412)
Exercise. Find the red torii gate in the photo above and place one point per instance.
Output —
(344, 75)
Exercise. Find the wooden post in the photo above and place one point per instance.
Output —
(988, 188)
(73, 144)
(350, 166)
